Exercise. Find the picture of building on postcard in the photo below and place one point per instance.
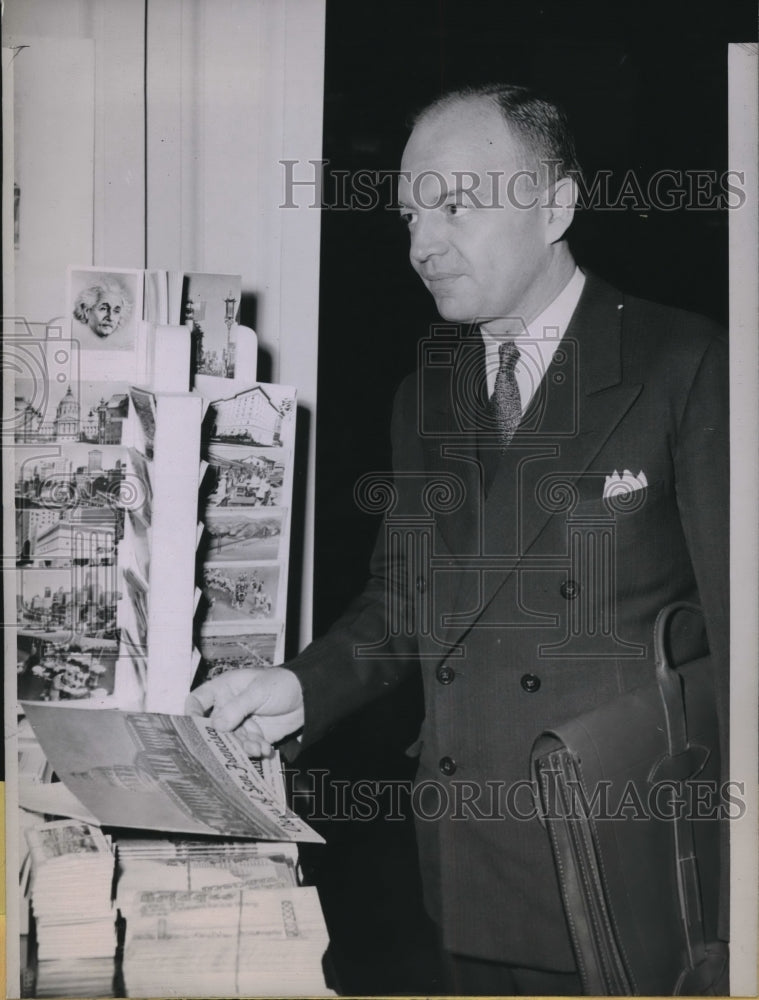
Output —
(211, 303)
(68, 476)
(256, 416)
(67, 636)
(244, 477)
(83, 412)
(61, 538)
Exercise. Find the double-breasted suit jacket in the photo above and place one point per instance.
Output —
(525, 595)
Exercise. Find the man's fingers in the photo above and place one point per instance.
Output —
(201, 699)
(256, 748)
(262, 705)
(218, 692)
(251, 738)
(229, 715)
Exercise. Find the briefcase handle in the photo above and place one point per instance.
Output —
(670, 684)
(706, 961)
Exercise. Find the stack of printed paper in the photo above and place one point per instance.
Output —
(75, 977)
(226, 940)
(72, 879)
(167, 865)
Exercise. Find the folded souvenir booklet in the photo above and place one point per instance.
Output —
(163, 772)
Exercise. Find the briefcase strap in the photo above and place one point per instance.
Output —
(600, 960)
(685, 760)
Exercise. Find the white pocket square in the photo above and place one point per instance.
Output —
(622, 483)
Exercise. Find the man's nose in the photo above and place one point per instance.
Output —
(426, 239)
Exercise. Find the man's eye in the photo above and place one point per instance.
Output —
(407, 217)
(454, 208)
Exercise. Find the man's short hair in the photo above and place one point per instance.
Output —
(539, 124)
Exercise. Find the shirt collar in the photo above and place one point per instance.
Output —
(538, 342)
(551, 324)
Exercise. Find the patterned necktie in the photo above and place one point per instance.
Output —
(505, 405)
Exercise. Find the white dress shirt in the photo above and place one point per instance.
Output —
(538, 342)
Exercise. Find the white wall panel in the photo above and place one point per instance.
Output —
(234, 87)
(80, 153)
(54, 89)
(743, 133)
(119, 196)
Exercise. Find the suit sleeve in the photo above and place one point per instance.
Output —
(703, 495)
(337, 673)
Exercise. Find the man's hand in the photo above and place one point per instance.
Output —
(261, 705)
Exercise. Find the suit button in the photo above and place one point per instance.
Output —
(445, 675)
(570, 589)
(447, 765)
(530, 683)
(421, 584)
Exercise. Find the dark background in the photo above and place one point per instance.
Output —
(645, 86)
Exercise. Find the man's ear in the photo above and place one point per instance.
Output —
(562, 198)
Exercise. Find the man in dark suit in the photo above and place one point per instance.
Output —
(556, 397)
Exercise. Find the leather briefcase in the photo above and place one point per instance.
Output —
(630, 799)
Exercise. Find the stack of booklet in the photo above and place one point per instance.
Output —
(72, 875)
(210, 919)
(172, 863)
(225, 940)
(73, 977)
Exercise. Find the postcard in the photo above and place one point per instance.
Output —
(71, 412)
(240, 593)
(140, 475)
(210, 307)
(67, 636)
(64, 537)
(262, 415)
(233, 647)
(241, 476)
(242, 535)
(105, 306)
(145, 407)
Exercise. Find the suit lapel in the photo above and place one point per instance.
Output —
(580, 402)
(454, 398)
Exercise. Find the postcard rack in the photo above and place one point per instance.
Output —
(153, 492)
